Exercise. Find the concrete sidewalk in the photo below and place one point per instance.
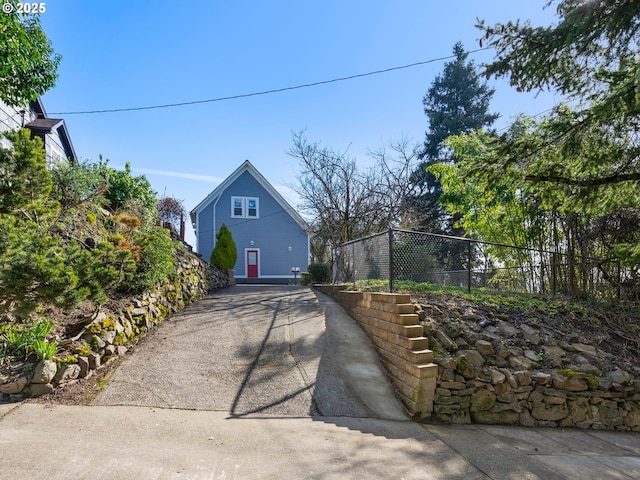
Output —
(271, 383)
(60, 442)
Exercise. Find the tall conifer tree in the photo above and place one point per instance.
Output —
(457, 102)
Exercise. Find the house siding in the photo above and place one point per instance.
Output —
(206, 232)
(280, 240)
(55, 150)
(11, 118)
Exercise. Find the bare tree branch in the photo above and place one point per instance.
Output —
(347, 201)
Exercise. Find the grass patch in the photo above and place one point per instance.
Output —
(483, 296)
(404, 286)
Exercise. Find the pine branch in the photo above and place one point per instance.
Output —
(588, 182)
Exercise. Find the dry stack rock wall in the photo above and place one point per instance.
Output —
(110, 334)
(492, 371)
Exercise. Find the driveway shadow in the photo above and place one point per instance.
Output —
(275, 351)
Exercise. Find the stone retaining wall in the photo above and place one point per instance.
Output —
(480, 381)
(217, 278)
(528, 370)
(396, 334)
(111, 334)
(470, 389)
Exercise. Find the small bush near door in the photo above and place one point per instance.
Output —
(305, 278)
(224, 254)
(319, 273)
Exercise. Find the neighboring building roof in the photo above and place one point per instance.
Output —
(66, 142)
(43, 125)
(34, 117)
(248, 167)
(37, 107)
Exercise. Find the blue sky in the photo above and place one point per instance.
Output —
(121, 54)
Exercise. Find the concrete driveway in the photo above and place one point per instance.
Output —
(257, 350)
(270, 383)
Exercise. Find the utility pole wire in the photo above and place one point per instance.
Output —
(265, 92)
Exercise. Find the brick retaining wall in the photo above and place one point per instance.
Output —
(389, 321)
(481, 381)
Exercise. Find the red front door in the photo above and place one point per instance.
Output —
(252, 263)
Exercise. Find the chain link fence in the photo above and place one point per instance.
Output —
(387, 258)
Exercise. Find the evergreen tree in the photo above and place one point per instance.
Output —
(457, 102)
(25, 182)
(224, 254)
(41, 263)
(591, 56)
(589, 152)
(31, 259)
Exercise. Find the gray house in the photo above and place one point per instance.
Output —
(270, 236)
(52, 131)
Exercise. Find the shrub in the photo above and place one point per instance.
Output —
(319, 272)
(76, 183)
(305, 278)
(156, 259)
(224, 254)
(129, 193)
(103, 269)
(34, 271)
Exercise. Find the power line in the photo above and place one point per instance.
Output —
(266, 92)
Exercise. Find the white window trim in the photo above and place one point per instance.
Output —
(233, 201)
(245, 207)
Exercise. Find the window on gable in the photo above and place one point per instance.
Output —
(237, 207)
(252, 207)
(244, 207)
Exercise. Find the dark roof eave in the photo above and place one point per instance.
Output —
(43, 126)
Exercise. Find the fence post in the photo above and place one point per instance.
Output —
(353, 258)
(391, 260)
(469, 266)
(554, 270)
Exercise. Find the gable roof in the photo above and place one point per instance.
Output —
(43, 125)
(248, 167)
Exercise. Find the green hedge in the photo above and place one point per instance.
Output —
(319, 273)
